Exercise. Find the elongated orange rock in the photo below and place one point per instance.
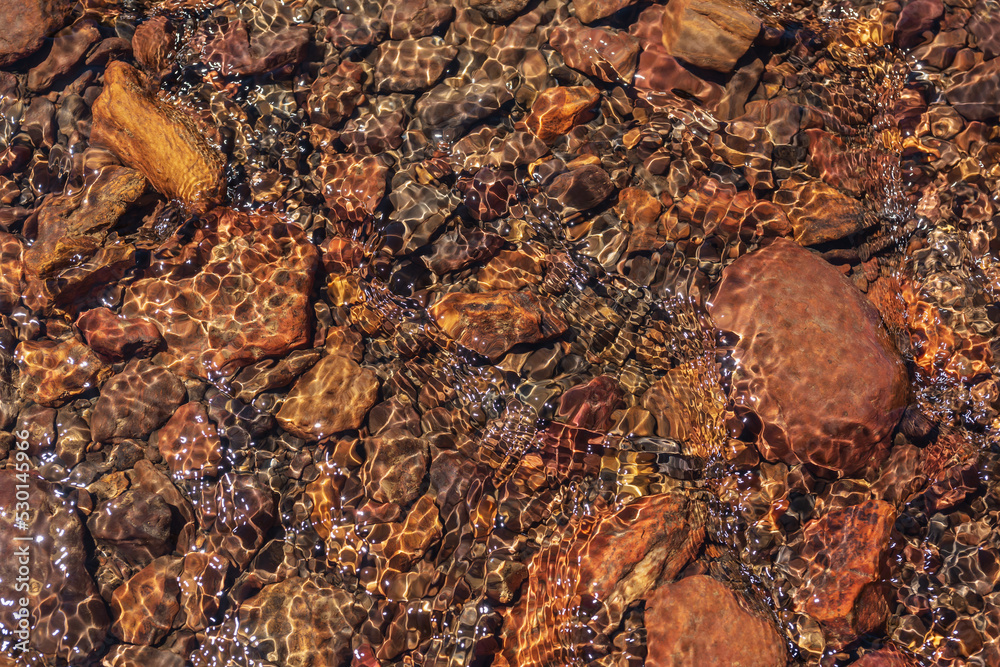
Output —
(152, 136)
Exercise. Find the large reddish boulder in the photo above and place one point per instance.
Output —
(814, 361)
(699, 621)
(842, 585)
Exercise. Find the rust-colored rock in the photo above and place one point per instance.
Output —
(27, 24)
(72, 228)
(818, 213)
(353, 185)
(334, 395)
(67, 50)
(154, 44)
(333, 98)
(599, 52)
(557, 110)
(135, 402)
(189, 443)
(842, 586)
(699, 621)
(201, 582)
(117, 338)
(54, 371)
(156, 138)
(604, 562)
(303, 622)
(68, 618)
(145, 606)
(816, 366)
(491, 323)
(247, 301)
(11, 272)
(411, 64)
(589, 11)
(712, 34)
(236, 511)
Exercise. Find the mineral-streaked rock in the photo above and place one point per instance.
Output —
(491, 323)
(156, 138)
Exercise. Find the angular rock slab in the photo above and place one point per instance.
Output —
(815, 364)
(698, 621)
(491, 323)
(712, 34)
(248, 300)
(156, 138)
(334, 395)
(580, 585)
(67, 617)
(841, 589)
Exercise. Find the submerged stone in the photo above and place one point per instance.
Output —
(815, 365)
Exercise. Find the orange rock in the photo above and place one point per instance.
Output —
(353, 185)
(52, 372)
(334, 395)
(641, 210)
(580, 585)
(154, 137)
(11, 272)
(698, 621)
(189, 443)
(712, 34)
(842, 586)
(491, 323)
(144, 607)
(557, 110)
(818, 212)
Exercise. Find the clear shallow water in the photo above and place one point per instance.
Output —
(351, 334)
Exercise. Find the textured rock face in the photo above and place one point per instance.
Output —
(587, 579)
(144, 607)
(557, 110)
(247, 301)
(69, 620)
(334, 395)
(976, 94)
(54, 371)
(841, 589)
(11, 272)
(698, 621)
(135, 402)
(27, 24)
(815, 366)
(713, 34)
(597, 52)
(302, 622)
(117, 338)
(491, 323)
(67, 50)
(817, 212)
(150, 135)
(189, 443)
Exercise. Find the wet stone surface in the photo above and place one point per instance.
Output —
(499, 333)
